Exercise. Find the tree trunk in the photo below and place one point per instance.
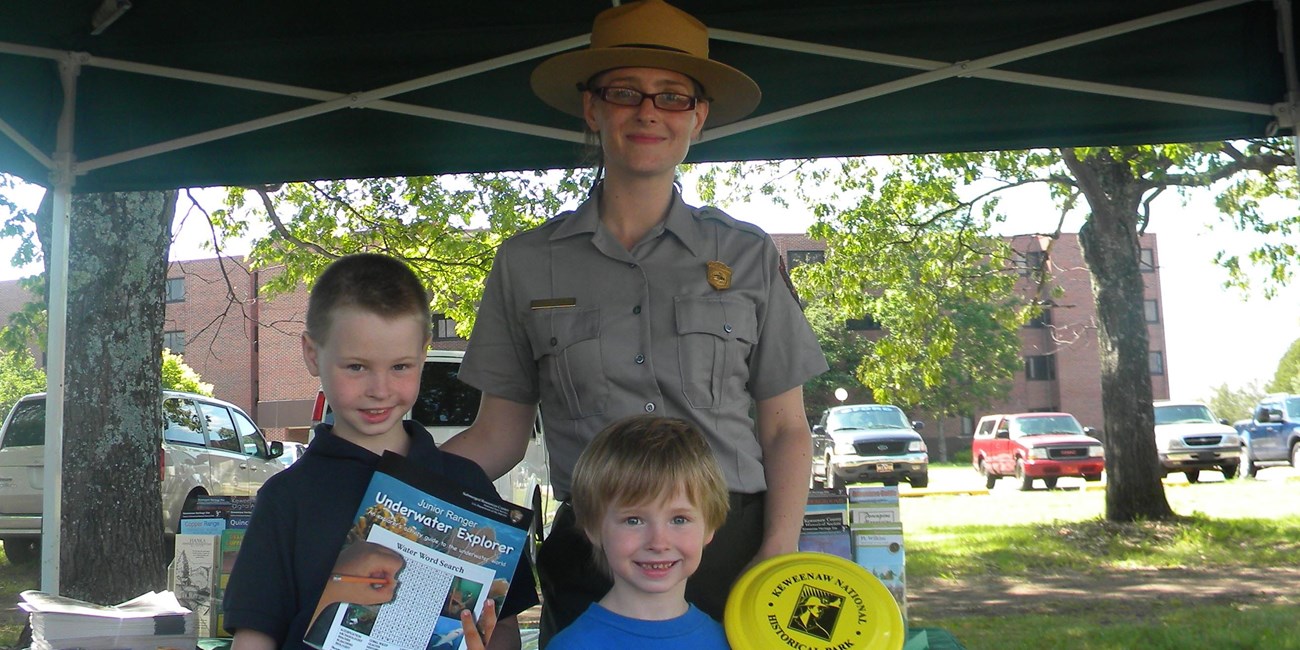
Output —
(1110, 247)
(113, 547)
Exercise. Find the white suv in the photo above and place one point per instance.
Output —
(208, 447)
(1189, 439)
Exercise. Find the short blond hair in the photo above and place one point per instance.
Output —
(644, 459)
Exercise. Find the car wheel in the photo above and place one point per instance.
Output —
(1247, 468)
(1050, 482)
(22, 550)
(920, 481)
(1193, 475)
(1229, 471)
(1295, 455)
(989, 478)
(1026, 481)
(1092, 478)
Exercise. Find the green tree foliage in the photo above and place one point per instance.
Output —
(1287, 377)
(907, 254)
(1234, 403)
(844, 351)
(18, 376)
(27, 326)
(178, 376)
(447, 228)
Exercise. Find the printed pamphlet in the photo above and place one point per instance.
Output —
(877, 531)
(825, 523)
(418, 540)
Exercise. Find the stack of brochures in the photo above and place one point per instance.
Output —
(153, 621)
(878, 537)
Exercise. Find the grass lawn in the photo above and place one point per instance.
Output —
(968, 542)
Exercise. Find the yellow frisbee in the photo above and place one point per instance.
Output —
(812, 601)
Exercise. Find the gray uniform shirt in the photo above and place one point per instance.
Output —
(597, 332)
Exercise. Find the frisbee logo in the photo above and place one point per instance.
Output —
(816, 612)
(812, 601)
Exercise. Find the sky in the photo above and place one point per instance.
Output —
(1213, 335)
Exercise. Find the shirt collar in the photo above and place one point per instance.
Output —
(681, 222)
(422, 449)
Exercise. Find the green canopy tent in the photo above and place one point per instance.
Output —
(113, 95)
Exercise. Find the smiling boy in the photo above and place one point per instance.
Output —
(649, 495)
(368, 326)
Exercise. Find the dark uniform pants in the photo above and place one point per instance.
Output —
(571, 581)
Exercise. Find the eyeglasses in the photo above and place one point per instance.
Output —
(669, 101)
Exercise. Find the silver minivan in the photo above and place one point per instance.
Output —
(208, 446)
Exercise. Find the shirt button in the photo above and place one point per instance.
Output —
(554, 340)
(631, 265)
(640, 358)
(649, 407)
(727, 328)
(636, 309)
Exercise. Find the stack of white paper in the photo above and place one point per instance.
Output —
(153, 621)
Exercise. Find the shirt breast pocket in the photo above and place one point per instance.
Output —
(566, 347)
(714, 340)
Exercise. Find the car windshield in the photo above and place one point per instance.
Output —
(1293, 406)
(1183, 414)
(1038, 426)
(867, 417)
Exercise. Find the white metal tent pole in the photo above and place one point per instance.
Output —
(63, 178)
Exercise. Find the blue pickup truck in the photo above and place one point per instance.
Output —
(1272, 435)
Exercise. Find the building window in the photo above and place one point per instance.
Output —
(1146, 260)
(1156, 362)
(1040, 367)
(864, 324)
(176, 289)
(1031, 262)
(1151, 311)
(444, 329)
(174, 341)
(1043, 319)
(795, 258)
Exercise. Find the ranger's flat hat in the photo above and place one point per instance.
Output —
(647, 34)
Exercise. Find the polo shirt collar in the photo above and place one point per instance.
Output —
(681, 222)
(422, 449)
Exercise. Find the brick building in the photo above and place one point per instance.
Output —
(250, 350)
(1062, 369)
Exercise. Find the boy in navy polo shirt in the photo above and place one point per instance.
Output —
(368, 327)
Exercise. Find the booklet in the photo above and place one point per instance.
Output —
(422, 551)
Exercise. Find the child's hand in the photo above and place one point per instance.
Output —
(487, 623)
(365, 574)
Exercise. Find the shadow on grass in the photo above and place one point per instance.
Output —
(1083, 546)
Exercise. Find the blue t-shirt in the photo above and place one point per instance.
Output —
(599, 629)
